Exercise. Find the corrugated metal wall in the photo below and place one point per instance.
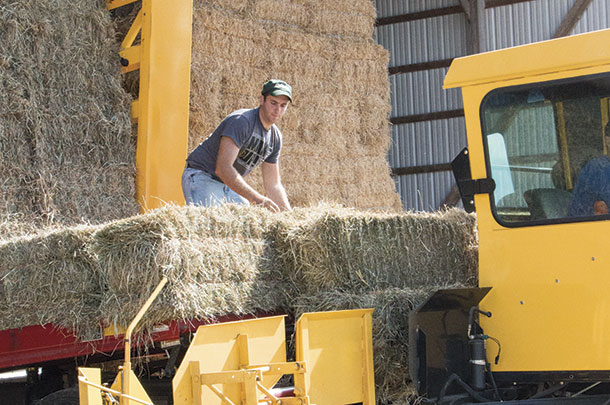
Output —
(438, 141)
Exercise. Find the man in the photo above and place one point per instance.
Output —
(245, 139)
(591, 195)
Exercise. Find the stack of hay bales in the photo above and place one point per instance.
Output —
(336, 133)
(67, 156)
(66, 153)
(241, 260)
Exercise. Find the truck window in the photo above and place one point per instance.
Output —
(546, 151)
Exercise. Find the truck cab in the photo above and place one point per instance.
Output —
(537, 173)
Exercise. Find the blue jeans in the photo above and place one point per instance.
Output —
(200, 188)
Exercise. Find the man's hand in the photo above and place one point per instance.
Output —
(270, 205)
(600, 208)
(227, 154)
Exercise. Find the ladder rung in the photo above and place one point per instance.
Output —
(111, 4)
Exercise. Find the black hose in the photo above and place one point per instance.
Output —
(491, 376)
(493, 383)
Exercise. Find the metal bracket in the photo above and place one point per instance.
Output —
(468, 186)
(479, 186)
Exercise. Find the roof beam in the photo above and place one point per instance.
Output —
(573, 16)
(417, 67)
(405, 171)
(440, 115)
(437, 12)
(419, 15)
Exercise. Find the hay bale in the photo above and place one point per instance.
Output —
(355, 251)
(218, 261)
(49, 278)
(65, 131)
(225, 260)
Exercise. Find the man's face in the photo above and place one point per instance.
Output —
(272, 108)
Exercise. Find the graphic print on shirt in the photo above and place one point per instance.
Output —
(252, 154)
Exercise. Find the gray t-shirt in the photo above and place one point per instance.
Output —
(256, 144)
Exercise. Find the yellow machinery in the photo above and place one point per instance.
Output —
(535, 168)
(163, 57)
(241, 362)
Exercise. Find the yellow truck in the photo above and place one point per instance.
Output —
(536, 171)
(243, 362)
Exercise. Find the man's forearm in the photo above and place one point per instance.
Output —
(279, 196)
(236, 182)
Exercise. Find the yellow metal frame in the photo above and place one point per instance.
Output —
(337, 347)
(605, 107)
(161, 112)
(91, 390)
(126, 386)
(237, 362)
(550, 310)
(240, 362)
(563, 146)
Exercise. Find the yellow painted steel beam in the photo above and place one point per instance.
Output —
(563, 145)
(226, 377)
(87, 394)
(135, 111)
(605, 109)
(112, 4)
(163, 113)
(293, 367)
(132, 55)
(134, 30)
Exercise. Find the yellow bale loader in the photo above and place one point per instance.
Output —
(241, 362)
